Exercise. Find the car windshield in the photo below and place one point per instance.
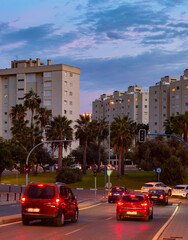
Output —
(133, 198)
(179, 187)
(148, 185)
(117, 189)
(41, 192)
(156, 191)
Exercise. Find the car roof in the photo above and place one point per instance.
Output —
(56, 184)
(182, 185)
(153, 182)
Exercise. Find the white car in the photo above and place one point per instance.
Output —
(180, 191)
(156, 185)
(75, 166)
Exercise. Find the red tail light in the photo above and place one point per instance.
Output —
(40, 185)
(132, 195)
(117, 188)
(161, 196)
(57, 200)
(23, 199)
(120, 203)
(145, 204)
(110, 194)
(123, 194)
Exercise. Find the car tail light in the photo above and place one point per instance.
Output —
(161, 196)
(110, 194)
(182, 190)
(40, 185)
(142, 188)
(23, 199)
(57, 200)
(117, 188)
(145, 204)
(120, 203)
(132, 195)
(123, 194)
(152, 188)
(173, 189)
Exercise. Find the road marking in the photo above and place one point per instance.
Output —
(157, 235)
(72, 232)
(7, 224)
(90, 206)
(108, 218)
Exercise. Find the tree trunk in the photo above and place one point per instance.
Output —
(84, 157)
(99, 156)
(119, 164)
(60, 153)
(185, 132)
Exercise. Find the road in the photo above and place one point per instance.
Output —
(95, 222)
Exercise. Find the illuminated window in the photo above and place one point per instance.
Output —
(186, 86)
(136, 99)
(128, 100)
(6, 95)
(173, 89)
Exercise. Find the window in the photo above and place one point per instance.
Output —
(186, 95)
(136, 106)
(65, 83)
(173, 89)
(136, 99)
(186, 86)
(47, 93)
(155, 99)
(186, 104)
(177, 113)
(20, 89)
(164, 99)
(70, 93)
(5, 131)
(145, 106)
(65, 111)
(70, 84)
(47, 74)
(164, 115)
(5, 113)
(71, 74)
(65, 93)
(20, 98)
(47, 83)
(177, 96)
(20, 80)
(65, 74)
(65, 102)
(155, 92)
(70, 112)
(6, 86)
(47, 102)
(70, 103)
(164, 107)
(155, 123)
(5, 122)
(31, 78)
(128, 100)
(164, 91)
(146, 99)
(178, 87)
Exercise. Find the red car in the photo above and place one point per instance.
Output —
(134, 206)
(49, 201)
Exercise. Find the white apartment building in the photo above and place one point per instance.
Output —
(133, 103)
(168, 97)
(57, 85)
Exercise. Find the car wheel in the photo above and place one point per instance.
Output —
(118, 217)
(75, 218)
(169, 192)
(146, 219)
(25, 220)
(60, 220)
(109, 201)
(151, 216)
(186, 195)
(167, 201)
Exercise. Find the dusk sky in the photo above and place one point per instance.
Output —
(116, 43)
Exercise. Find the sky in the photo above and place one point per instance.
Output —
(115, 43)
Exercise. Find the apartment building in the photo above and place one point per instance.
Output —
(57, 85)
(168, 97)
(133, 103)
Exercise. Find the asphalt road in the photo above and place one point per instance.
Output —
(95, 222)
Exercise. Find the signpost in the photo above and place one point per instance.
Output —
(109, 172)
(158, 171)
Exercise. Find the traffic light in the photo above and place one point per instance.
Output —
(94, 170)
(142, 135)
(27, 170)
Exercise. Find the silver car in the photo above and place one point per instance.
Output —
(155, 185)
(180, 191)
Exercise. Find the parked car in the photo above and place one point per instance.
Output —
(158, 196)
(49, 201)
(75, 166)
(116, 194)
(156, 185)
(134, 206)
(180, 191)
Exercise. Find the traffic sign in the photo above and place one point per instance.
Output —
(109, 185)
(158, 170)
(109, 167)
(109, 172)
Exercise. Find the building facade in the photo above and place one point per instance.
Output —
(133, 103)
(167, 98)
(57, 86)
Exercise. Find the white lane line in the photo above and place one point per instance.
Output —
(72, 232)
(7, 224)
(157, 235)
(108, 218)
(90, 206)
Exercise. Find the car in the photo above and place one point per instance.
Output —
(116, 194)
(49, 201)
(134, 206)
(76, 166)
(180, 191)
(158, 196)
(156, 185)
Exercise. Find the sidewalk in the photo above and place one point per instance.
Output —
(177, 228)
(17, 217)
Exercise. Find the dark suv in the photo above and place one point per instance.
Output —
(52, 201)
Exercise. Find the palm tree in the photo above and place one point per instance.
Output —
(18, 112)
(101, 131)
(122, 134)
(60, 129)
(44, 116)
(32, 101)
(84, 132)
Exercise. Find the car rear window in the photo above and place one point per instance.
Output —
(133, 199)
(148, 185)
(117, 189)
(156, 191)
(179, 187)
(41, 192)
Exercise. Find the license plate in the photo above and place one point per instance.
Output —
(131, 213)
(153, 196)
(35, 210)
(116, 194)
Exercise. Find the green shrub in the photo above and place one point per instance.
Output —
(68, 175)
